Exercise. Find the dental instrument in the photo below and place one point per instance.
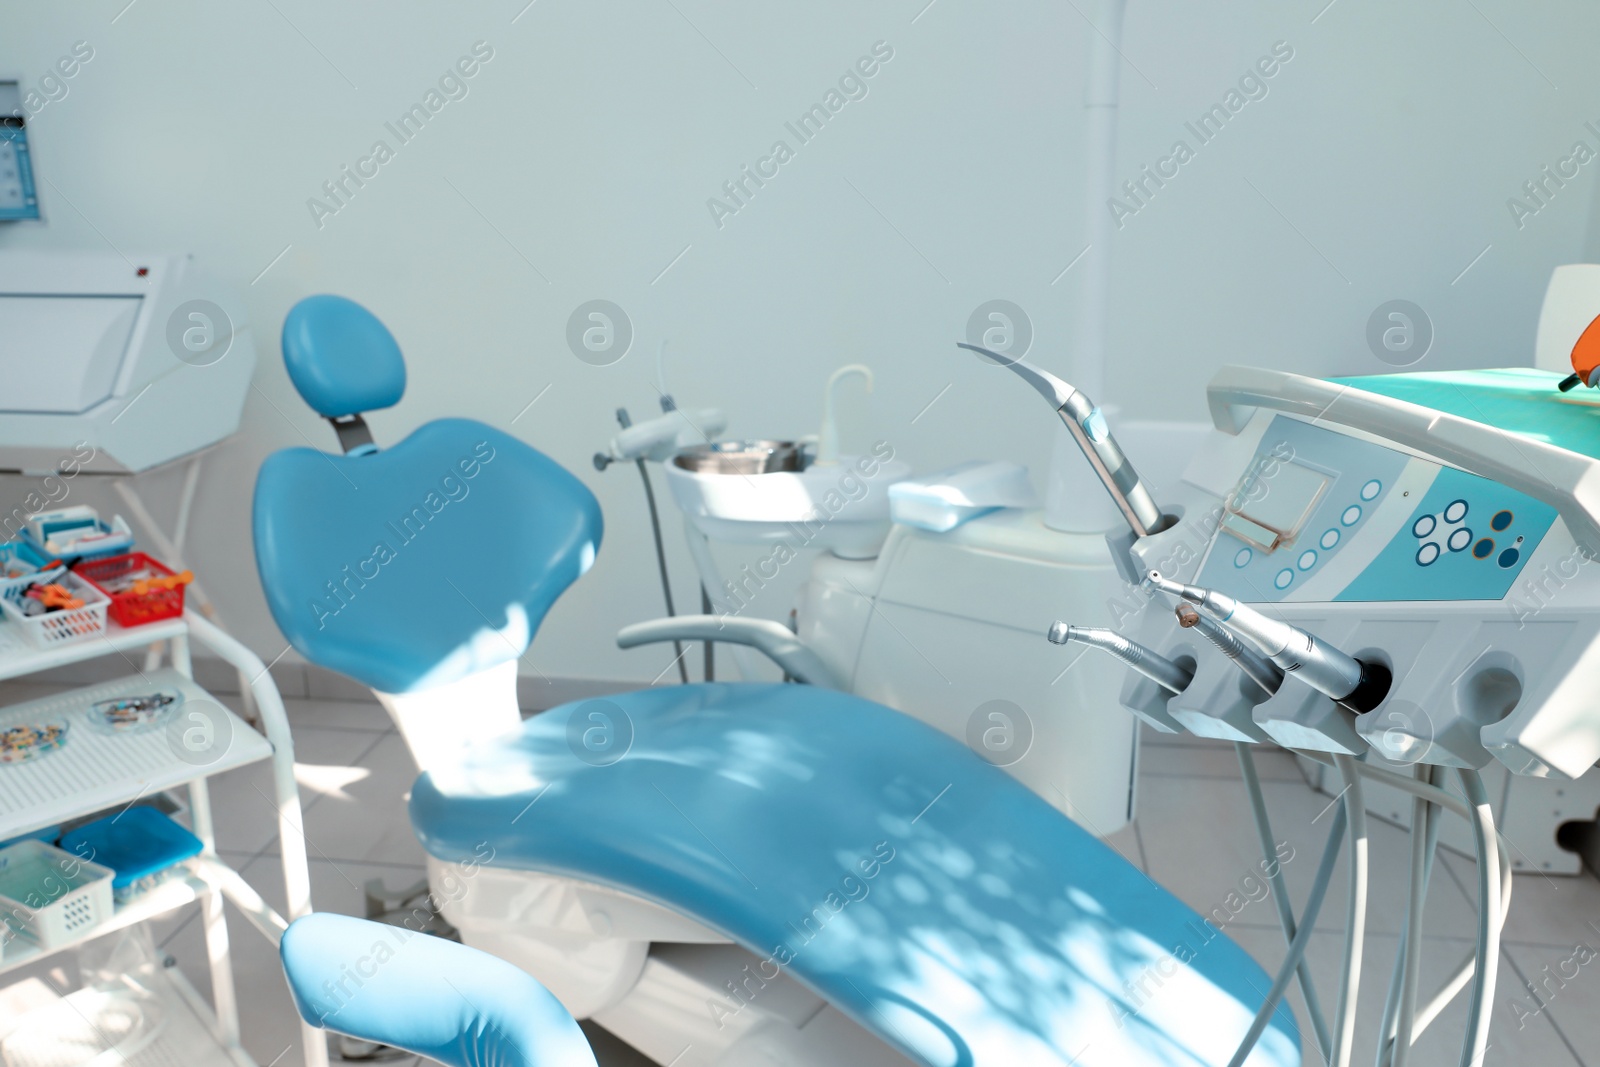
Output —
(716, 873)
(1358, 685)
(1154, 666)
(1088, 427)
(1257, 668)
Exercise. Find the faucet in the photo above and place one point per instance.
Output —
(828, 433)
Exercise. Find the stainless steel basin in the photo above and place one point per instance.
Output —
(742, 457)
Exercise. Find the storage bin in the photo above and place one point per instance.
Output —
(49, 896)
(61, 627)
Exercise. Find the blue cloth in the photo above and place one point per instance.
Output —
(420, 564)
(922, 891)
(426, 995)
(341, 358)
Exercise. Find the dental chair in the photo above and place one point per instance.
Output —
(718, 874)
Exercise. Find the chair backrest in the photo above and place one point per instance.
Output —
(415, 566)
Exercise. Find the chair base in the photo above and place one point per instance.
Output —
(668, 986)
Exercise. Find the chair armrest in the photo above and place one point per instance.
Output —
(426, 995)
(772, 639)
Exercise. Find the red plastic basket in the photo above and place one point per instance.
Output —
(115, 577)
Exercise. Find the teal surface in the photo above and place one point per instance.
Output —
(1486, 560)
(924, 892)
(422, 563)
(342, 360)
(435, 998)
(1519, 399)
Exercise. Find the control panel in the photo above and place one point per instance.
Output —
(1325, 516)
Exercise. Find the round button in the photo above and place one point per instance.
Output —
(1509, 558)
(1352, 515)
(1308, 559)
(1371, 490)
(1243, 557)
(1482, 549)
(1460, 539)
(1427, 554)
(1329, 538)
(1283, 579)
(1423, 526)
(1501, 520)
(1455, 511)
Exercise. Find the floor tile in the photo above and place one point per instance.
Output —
(244, 801)
(1537, 1042)
(341, 714)
(1560, 984)
(1216, 759)
(1546, 909)
(1201, 844)
(367, 821)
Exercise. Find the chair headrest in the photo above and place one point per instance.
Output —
(341, 358)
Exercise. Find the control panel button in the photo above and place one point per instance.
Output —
(1508, 558)
(1329, 538)
(1283, 579)
(1243, 557)
(1460, 539)
(1308, 559)
(1427, 554)
(1371, 490)
(1423, 526)
(1352, 515)
(1482, 549)
(1501, 520)
(1455, 511)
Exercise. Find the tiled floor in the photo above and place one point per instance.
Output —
(1193, 836)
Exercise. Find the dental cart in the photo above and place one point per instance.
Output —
(98, 770)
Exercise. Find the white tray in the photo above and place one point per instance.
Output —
(96, 769)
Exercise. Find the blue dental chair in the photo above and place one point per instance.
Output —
(856, 854)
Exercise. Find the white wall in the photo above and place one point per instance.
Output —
(1377, 167)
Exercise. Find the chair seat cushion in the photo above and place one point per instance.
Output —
(922, 891)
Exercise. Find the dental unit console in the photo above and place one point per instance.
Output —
(1410, 546)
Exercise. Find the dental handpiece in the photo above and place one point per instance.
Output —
(1256, 667)
(1153, 665)
(1358, 685)
(1088, 427)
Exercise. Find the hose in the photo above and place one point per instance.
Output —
(1489, 921)
(1280, 894)
(1356, 924)
(1426, 817)
(661, 563)
(1297, 948)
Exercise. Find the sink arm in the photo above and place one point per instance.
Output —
(772, 639)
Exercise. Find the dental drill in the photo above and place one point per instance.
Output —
(1255, 666)
(1088, 427)
(1154, 666)
(1356, 684)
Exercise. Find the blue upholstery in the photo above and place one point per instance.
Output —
(423, 563)
(922, 891)
(426, 995)
(341, 358)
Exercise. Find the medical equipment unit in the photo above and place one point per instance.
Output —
(1386, 575)
(903, 579)
(723, 873)
(142, 360)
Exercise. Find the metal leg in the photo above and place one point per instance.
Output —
(172, 549)
(745, 659)
(215, 923)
